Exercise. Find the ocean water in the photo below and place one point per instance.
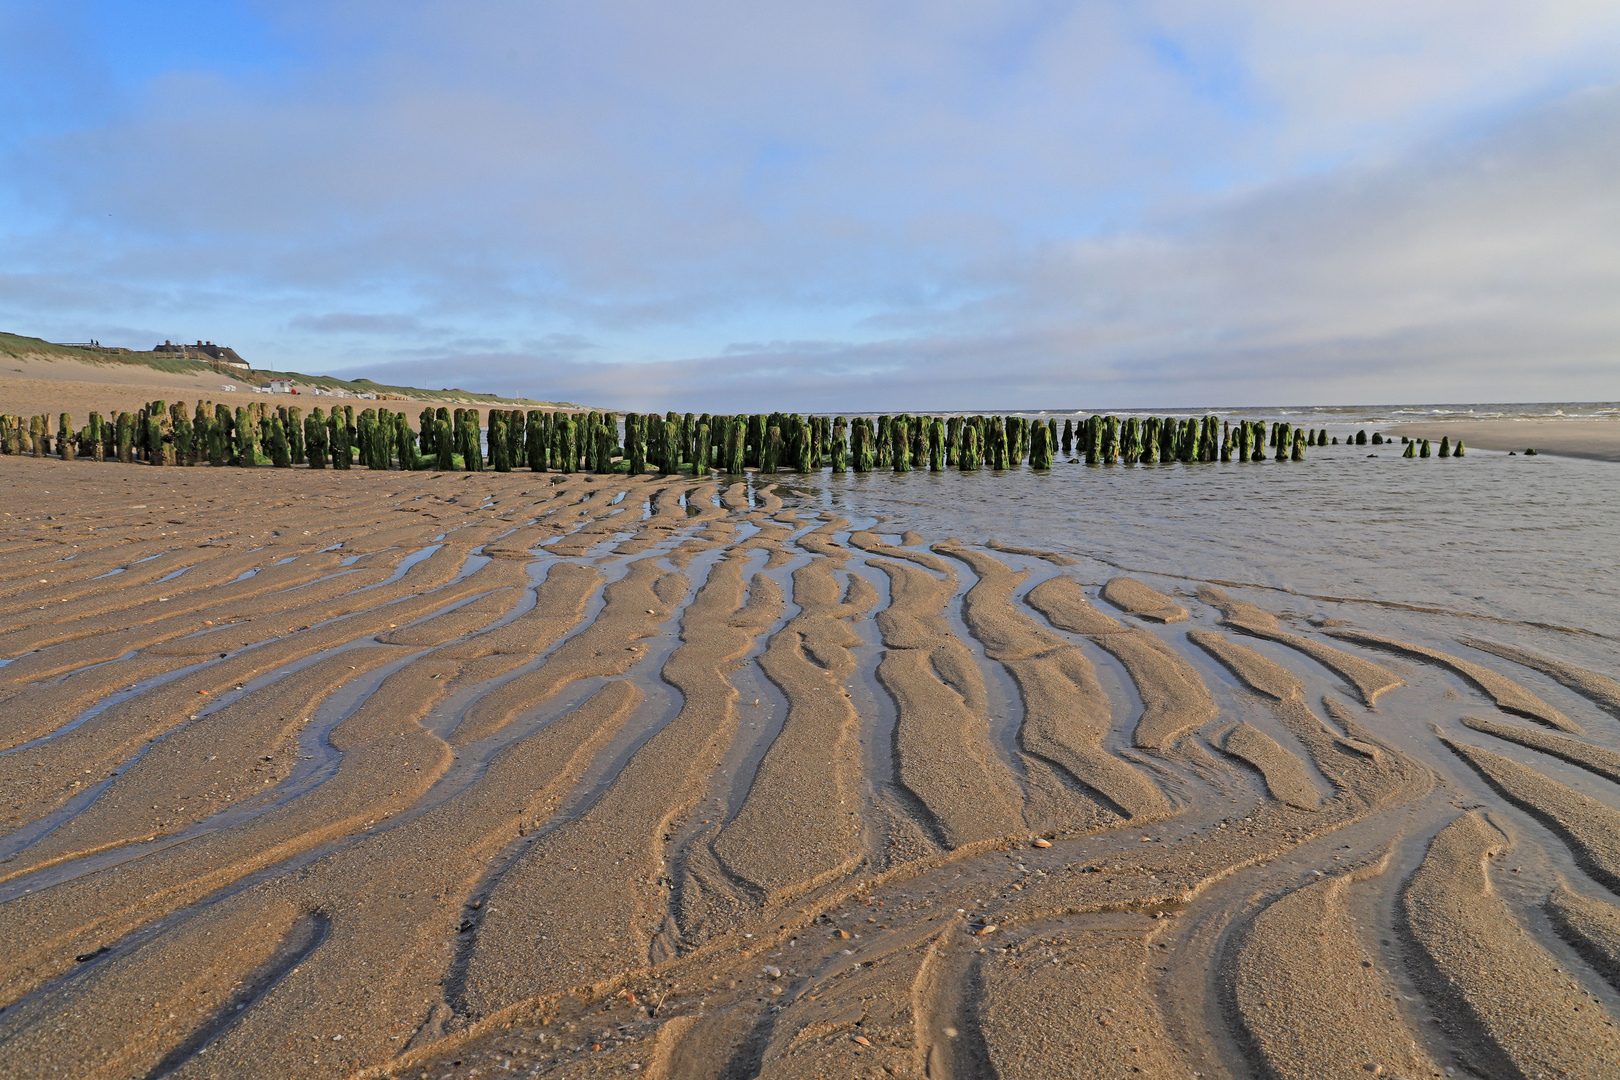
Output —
(1523, 549)
(1340, 420)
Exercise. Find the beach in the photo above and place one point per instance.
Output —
(1598, 440)
(1295, 768)
(35, 384)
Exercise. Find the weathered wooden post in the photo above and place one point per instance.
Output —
(534, 455)
(365, 438)
(498, 459)
(602, 453)
(405, 445)
(1298, 453)
(336, 437)
(1445, 444)
(1423, 451)
(1457, 451)
(341, 438)
(1040, 448)
(610, 441)
(1283, 433)
(424, 420)
(184, 437)
(861, 445)
(202, 424)
(124, 437)
(279, 452)
(703, 452)
(838, 452)
(899, 445)
(1068, 437)
(736, 455)
(96, 437)
(771, 459)
(64, 437)
(222, 436)
(936, 445)
(156, 449)
(967, 454)
(314, 439)
(444, 444)
(517, 436)
(1411, 450)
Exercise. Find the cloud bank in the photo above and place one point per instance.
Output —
(840, 206)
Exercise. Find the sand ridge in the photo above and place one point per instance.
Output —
(533, 805)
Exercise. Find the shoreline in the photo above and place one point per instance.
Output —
(554, 768)
(1592, 440)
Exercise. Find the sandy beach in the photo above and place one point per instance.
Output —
(415, 774)
(1598, 440)
(34, 384)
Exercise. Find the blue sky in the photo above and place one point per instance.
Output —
(831, 206)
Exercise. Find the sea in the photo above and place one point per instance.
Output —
(1519, 549)
(1336, 419)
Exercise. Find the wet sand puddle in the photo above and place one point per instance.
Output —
(585, 776)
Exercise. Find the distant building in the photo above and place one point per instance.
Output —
(282, 386)
(220, 356)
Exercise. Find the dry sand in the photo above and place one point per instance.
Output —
(28, 386)
(1595, 439)
(320, 774)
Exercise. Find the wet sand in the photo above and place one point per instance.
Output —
(1598, 440)
(320, 774)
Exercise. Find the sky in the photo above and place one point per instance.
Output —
(728, 206)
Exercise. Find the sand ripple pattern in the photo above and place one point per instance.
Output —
(362, 775)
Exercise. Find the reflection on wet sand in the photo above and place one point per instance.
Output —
(489, 775)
